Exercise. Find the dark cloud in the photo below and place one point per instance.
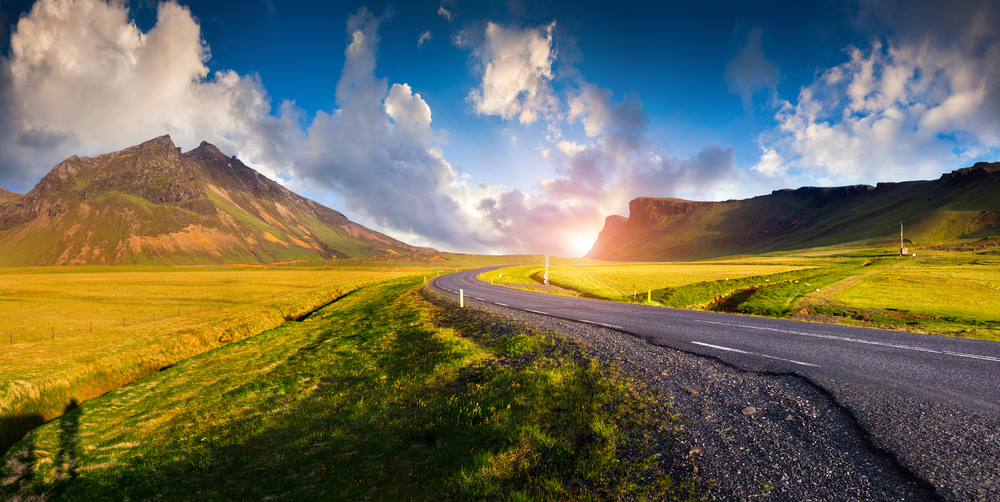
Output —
(45, 138)
(750, 72)
(969, 23)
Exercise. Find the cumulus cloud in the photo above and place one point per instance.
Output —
(81, 78)
(750, 72)
(619, 166)
(517, 70)
(376, 149)
(922, 101)
(897, 112)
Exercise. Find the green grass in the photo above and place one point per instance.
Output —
(383, 395)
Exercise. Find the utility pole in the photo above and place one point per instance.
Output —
(902, 250)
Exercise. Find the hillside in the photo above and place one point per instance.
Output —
(961, 204)
(152, 204)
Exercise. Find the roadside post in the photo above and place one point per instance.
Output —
(461, 298)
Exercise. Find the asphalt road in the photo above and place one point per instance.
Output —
(956, 370)
(931, 402)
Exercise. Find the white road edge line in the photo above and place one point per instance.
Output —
(755, 354)
(867, 342)
(537, 312)
(502, 304)
(601, 324)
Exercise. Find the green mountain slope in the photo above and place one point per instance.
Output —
(151, 204)
(961, 204)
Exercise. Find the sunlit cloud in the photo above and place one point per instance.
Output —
(82, 79)
(517, 71)
(896, 112)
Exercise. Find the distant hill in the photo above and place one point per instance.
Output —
(961, 204)
(152, 204)
(7, 195)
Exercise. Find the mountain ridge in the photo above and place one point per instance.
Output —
(960, 204)
(152, 204)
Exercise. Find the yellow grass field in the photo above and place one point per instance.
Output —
(623, 280)
(70, 334)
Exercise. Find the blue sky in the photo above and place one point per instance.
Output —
(509, 126)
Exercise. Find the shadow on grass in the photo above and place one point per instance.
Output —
(14, 427)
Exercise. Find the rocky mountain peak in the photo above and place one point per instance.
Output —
(150, 203)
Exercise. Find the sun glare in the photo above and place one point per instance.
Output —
(582, 245)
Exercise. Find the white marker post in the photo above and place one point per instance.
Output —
(546, 270)
(461, 298)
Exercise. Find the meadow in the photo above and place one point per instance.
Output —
(388, 394)
(71, 334)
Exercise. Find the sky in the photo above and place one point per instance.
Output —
(509, 126)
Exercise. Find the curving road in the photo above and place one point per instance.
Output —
(932, 403)
(960, 371)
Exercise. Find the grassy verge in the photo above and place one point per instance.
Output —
(384, 394)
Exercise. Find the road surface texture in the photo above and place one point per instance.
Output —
(786, 410)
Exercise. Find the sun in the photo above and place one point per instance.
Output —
(582, 244)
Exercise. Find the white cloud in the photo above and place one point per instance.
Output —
(517, 70)
(770, 164)
(887, 114)
(570, 148)
(82, 79)
(425, 36)
(591, 106)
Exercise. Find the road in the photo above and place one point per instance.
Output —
(960, 371)
(931, 403)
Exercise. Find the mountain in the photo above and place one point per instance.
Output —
(961, 204)
(152, 204)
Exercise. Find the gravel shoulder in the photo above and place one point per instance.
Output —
(758, 436)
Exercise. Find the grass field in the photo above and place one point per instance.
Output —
(624, 282)
(377, 396)
(70, 334)
(953, 295)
